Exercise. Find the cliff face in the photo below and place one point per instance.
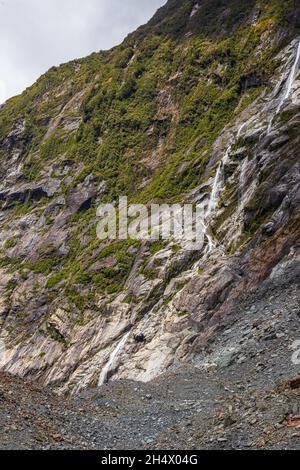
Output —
(200, 105)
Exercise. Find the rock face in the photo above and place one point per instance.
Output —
(171, 114)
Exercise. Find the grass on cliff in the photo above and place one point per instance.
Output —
(150, 112)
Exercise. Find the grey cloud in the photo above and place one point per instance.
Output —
(36, 34)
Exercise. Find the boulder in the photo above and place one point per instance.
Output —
(294, 383)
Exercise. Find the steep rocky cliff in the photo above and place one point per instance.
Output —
(201, 105)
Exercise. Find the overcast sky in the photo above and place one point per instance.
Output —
(37, 34)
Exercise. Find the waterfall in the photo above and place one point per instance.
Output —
(242, 181)
(112, 360)
(210, 243)
(292, 77)
(213, 201)
(218, 182)
(288, 87)
(243, 126)
(2, 350)
(240, 130)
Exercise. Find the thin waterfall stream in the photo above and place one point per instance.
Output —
(288, 87)
(217, 187)
(219, 177)
(112, 360)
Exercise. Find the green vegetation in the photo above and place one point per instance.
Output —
(55, 334)
(123, 98)
(149, 112)
(43, 266)
(12, 284)
(183, 314)
(157, 246)
(54, 280)
(10, 243)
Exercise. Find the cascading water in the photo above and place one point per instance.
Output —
(242, 181)
(218, 182)
(292, 77)
(213, 201)
(244, 126)
(210, 242)
(288, 86)
(240, 129)
(112, 360)
(217, 186)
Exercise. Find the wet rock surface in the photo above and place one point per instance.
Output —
(241, 392)
(189, 341)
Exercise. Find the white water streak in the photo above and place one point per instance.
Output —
(242, 181)
(291, 78)
(112, 360)
(288, 86)
(217, 187)
(215, 190)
